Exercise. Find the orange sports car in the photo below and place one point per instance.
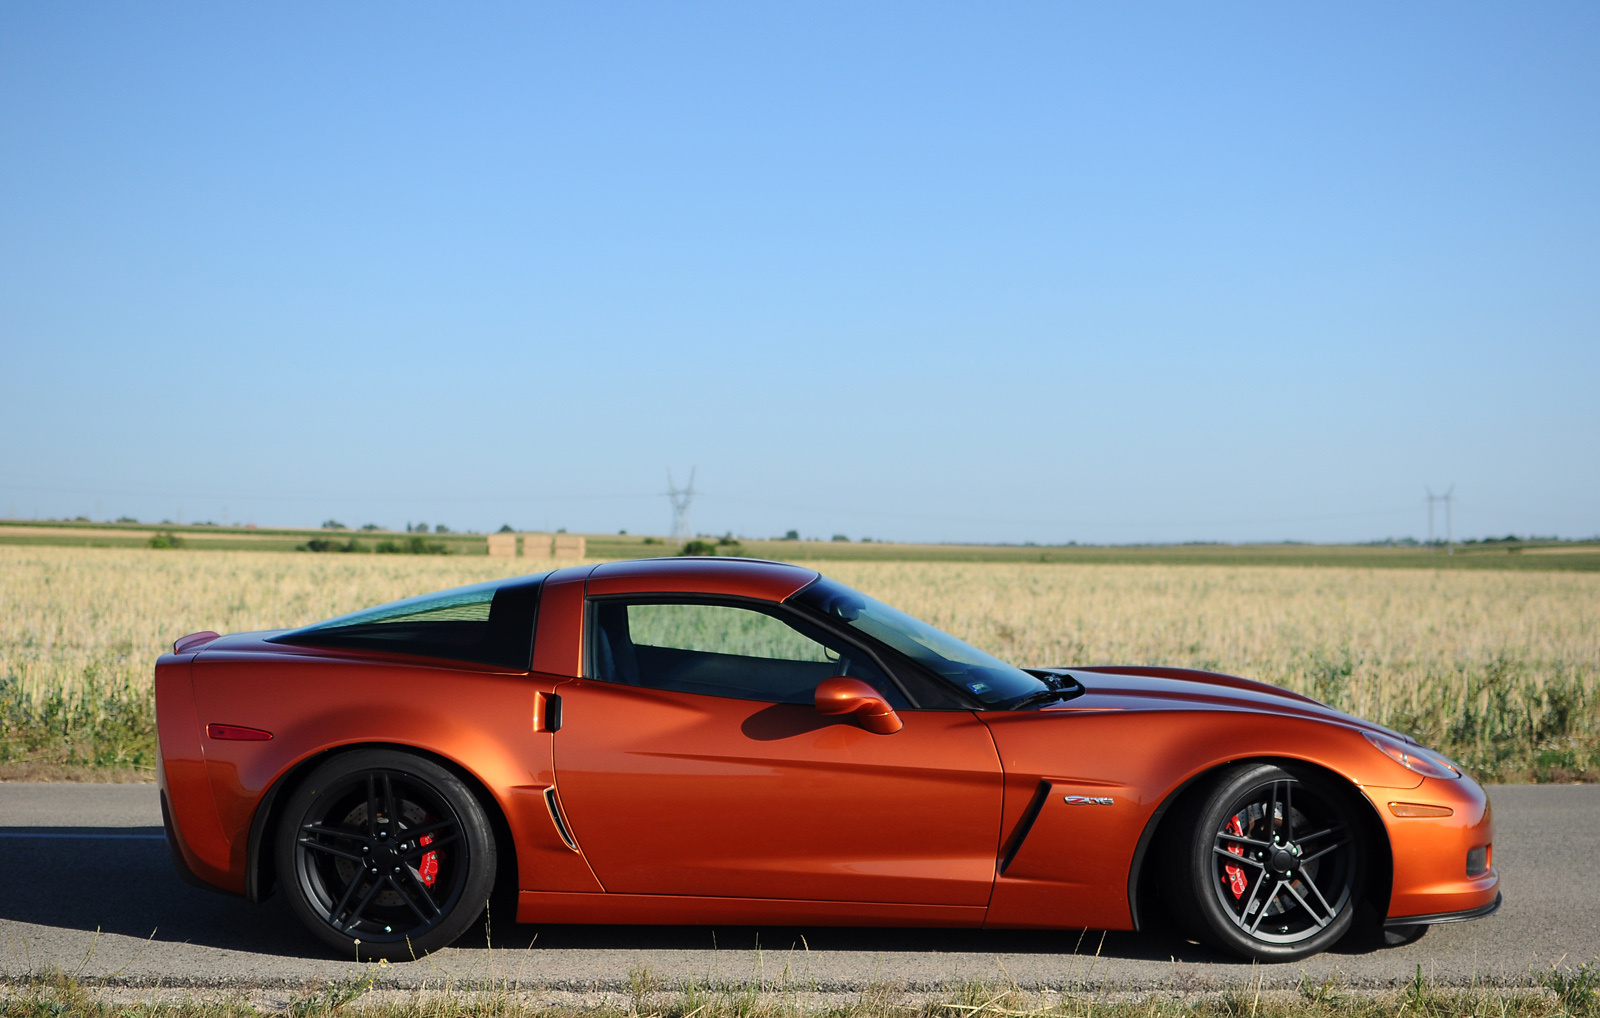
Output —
(699, 740)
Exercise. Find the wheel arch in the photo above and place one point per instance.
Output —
(260, 874)
(1144, 885)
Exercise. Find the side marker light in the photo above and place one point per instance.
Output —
(237, 733)
(1417, 809)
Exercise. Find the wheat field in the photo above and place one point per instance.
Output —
(1497, 669)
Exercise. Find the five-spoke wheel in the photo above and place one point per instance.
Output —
(1270, 864)
(385, 854)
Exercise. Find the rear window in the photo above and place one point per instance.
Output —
(487, 623)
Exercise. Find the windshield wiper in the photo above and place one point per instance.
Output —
(1043, 696)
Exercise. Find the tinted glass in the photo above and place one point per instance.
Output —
(723, 650)
(487, 623)
(982, 675)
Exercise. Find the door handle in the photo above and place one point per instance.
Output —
(546, 712)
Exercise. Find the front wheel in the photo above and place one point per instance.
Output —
(1270, 864)
(383, 854)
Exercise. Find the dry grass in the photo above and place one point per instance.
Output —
(1497, 668)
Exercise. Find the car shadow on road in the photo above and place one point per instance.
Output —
(122, 881)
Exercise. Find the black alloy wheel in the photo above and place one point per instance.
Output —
(383, 854)
(1271, 864)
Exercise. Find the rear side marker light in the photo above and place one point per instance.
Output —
(237, 733)
(1477, 860)
(1417, 809)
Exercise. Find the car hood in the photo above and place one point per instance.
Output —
(1134, 688)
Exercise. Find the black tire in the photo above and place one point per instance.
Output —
(1301, 863)
(385, 854)
(1400, 936)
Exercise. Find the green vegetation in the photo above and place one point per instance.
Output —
(725, 545)
(101, 722)
(1507, 553)
(210, 537)
(323, 544)
(1571, 556)
(1562, 992)
(412, 546)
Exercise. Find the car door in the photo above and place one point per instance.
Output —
(691, 761)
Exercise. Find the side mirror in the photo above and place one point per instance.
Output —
(844, 695)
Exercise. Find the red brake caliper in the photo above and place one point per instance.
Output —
(428, 867)
(1236, 878)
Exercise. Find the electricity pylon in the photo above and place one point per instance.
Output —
(1448, 498)
(680, 506)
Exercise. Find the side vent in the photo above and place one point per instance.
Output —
(556, 818)
(1024, 825)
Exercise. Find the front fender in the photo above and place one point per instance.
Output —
(1074, 863)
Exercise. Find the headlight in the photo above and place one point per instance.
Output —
(1425, 762)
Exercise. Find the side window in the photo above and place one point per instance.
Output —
(722, 650)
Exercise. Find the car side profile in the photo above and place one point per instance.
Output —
(722, 740)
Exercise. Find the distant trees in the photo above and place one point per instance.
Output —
(327, 544)
(411, 546)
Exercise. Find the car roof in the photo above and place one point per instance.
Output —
(731, 577)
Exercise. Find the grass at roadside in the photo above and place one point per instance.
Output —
(1500, 669)
(1503, 554)
(1558, 993)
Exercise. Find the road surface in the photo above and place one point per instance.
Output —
(86, 886)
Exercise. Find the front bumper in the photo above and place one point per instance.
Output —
(1433, 855)
(1444, 917)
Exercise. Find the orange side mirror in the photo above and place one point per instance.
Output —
(844, 695)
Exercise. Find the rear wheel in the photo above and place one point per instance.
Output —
(1270, 864)
(383, 854)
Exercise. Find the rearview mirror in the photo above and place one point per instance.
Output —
(844, 695)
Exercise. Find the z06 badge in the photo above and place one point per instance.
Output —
(1090, 800)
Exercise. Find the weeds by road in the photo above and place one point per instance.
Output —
(1559, 993)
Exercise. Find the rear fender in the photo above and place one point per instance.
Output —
(261, 870)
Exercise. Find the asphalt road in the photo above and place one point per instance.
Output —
(86, 886)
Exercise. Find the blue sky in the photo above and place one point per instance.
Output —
(996, 272)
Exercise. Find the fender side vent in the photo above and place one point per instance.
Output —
(557, 819)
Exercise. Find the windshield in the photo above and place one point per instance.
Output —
(991, 680)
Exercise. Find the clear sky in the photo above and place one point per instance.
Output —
(999, 272)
